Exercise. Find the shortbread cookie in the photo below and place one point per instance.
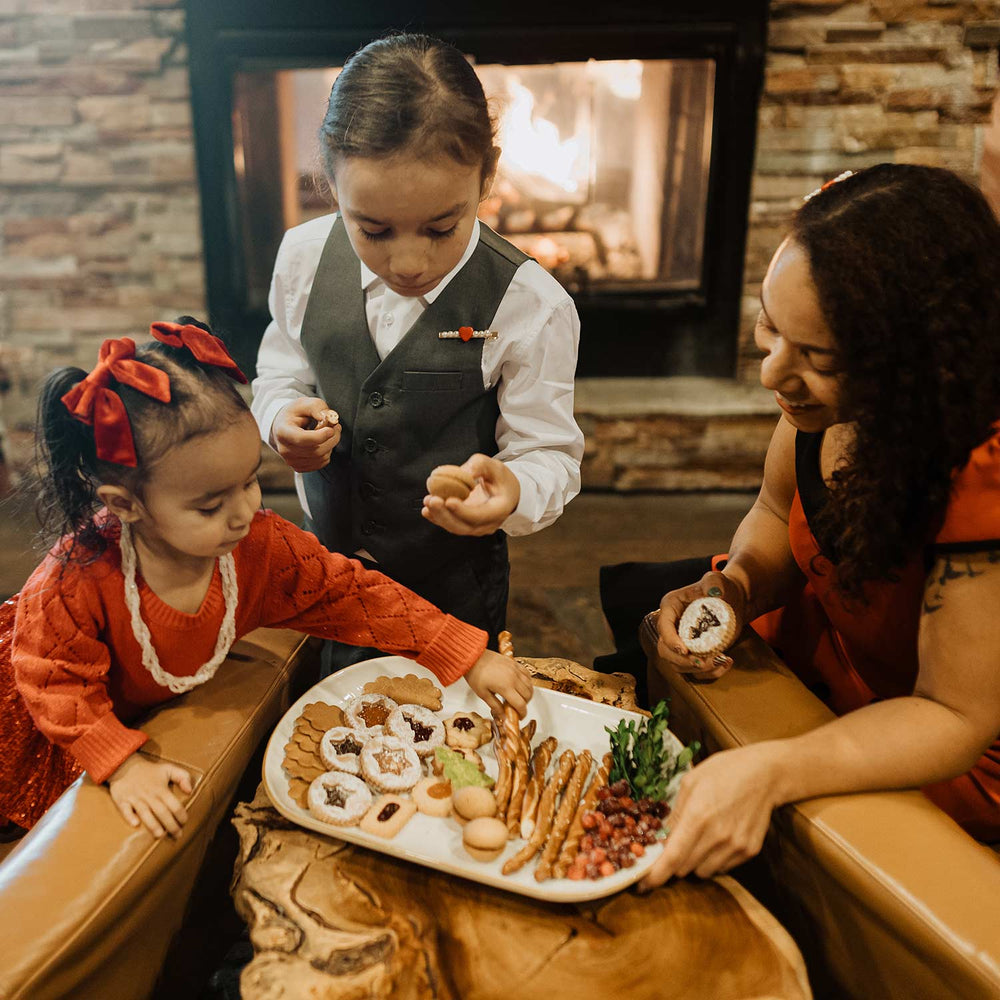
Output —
(339, 798)
(447, 481)
(432, 796)
(390, 765)
(341, 749)
(408, 690)
(369, 713)
(388, 815)
(417, 726)
(707, 626)
(467, 730)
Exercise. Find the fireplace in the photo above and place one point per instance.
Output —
(627, 142)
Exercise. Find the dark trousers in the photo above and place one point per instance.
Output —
(473, 590)
(629, 591)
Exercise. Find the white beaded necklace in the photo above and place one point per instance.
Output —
(227, 633)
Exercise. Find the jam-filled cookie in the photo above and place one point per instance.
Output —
(369, 713)
(341, 749)
(339, 798)
(388, 815)
(417, 726)
(432, 796)
(466, 731)
(389, 764)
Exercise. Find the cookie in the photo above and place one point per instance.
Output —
(432, 796)
(338, 798)
(298, 791)
(707, 626)
(418, 726)
(473, 802)
(459, 771)
(390, 765)
(467, 730)
(341, 749)
(322, 717)
(388, 815)
(408, 690)
(437, 763)
(484, 838)
(368, 713)
(447, 481)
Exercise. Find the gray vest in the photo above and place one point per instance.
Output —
(423, 405)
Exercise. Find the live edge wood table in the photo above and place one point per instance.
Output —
(333, 921)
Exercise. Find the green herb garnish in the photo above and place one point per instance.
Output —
(643, 759)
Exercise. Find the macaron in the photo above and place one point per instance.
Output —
(450, 481)
(707, 626)
(473, 802)
(485, 838)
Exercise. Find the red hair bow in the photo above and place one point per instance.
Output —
(206, 347)
(94, 403)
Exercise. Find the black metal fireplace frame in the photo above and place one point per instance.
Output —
(623, 333)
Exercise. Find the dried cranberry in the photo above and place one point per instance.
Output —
(620, 787)
(603, 793)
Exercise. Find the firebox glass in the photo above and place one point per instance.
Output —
(603, 174)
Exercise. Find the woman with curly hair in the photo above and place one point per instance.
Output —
(871, 557)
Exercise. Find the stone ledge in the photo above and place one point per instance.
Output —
(681, 396)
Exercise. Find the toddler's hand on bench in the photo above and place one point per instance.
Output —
(141, 788)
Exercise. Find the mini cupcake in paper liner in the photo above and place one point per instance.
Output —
(339, 798)
(418, 726)
(390, 764)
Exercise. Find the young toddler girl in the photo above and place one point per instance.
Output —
(434, 340)
(165, 560)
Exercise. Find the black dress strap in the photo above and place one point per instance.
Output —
(813, 491)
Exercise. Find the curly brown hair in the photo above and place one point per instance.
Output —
(906, 261)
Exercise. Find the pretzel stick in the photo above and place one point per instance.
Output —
(528, 730)
(519, 786)
(589, 801)
(563, 818)
(546, 813)
(505, 644)
(505, 776)
(539, 763)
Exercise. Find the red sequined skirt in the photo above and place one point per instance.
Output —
(33, 771)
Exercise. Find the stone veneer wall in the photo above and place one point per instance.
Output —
(99, 218)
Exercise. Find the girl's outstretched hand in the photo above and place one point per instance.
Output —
(493, 674)
(141, 788)
(494, 498)
(720, 817)
(672, 606)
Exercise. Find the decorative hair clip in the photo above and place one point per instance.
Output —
(206, 347)
(92, 402)
(466, 333)
(829, 184)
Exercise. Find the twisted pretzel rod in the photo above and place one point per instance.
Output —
(539, 764)
(519, 785)
(546, 813)
(564, 816)
(571, 844)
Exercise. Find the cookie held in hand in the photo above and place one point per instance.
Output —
(707, 626)
(450, 481)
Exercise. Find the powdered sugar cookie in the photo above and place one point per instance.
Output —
(339, 798)
(707, 626)
(466, 731)
(369, 713)
(418, 726)
(341, 749)
(389, 764)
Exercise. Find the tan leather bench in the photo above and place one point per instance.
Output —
(885, 895)
(90, 905)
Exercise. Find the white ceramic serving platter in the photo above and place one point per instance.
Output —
(577, 723)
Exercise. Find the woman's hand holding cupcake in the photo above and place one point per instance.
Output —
(698, 623)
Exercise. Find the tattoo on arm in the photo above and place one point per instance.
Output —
(954, 567)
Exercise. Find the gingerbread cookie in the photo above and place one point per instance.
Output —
(322, 717)
(388, 815)
(467, 730)
(408, 690)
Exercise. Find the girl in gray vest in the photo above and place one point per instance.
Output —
(434, 340)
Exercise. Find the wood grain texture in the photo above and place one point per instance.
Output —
(332, 921)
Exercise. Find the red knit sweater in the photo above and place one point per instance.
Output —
(79, 667)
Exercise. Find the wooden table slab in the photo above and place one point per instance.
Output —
(332, 921)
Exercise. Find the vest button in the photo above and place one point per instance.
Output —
(368, 490)
(376, 399)
(368, 528)
(370, 445)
